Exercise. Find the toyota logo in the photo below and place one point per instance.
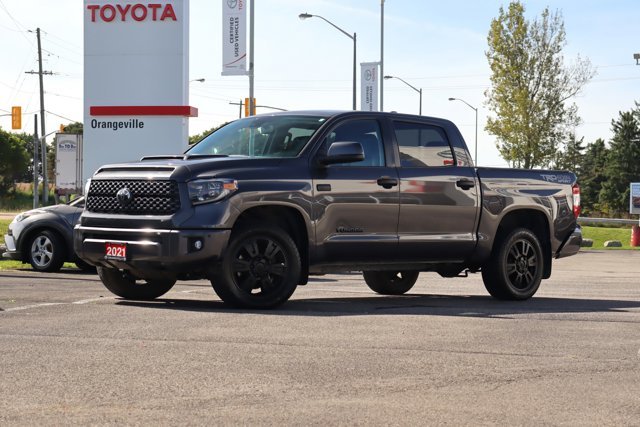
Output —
(232, 4)
(124, 196)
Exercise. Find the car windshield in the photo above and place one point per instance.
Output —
(270, 136)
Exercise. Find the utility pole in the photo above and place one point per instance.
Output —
(35, 161)
(381, 55)
(45, 188)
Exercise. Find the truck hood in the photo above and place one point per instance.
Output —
(182, 168)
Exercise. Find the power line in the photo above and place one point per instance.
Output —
(76, 50)
(16, 23)
(62, 117)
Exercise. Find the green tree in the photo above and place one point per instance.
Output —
(623, 166)
(75, 127)
(592, 176)
(14, 161)
(531, 86)
(571, 155)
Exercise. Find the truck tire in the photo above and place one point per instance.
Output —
(85, 267)
(515, 269)
(127, 287)
(46, 251)
(390, 282)
(261, 269)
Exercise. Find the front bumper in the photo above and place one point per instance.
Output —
(12, 252)
(152, 251)
(571, 246)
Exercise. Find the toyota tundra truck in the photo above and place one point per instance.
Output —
(264, 202)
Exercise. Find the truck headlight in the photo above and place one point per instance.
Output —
(210, 190)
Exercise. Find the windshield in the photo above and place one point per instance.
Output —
(271, 136)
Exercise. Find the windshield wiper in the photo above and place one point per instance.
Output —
(203, 156)
(162, 157)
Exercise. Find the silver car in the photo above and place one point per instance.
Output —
(43, 237)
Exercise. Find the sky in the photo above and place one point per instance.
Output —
(306, 64)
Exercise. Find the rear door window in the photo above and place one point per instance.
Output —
(423, 145)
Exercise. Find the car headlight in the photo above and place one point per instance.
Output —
(210, 190)
(27, 214)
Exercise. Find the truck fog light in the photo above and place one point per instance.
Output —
(197, 245)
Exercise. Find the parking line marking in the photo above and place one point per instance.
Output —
(86, 301)
(49, 304)
(27, 307)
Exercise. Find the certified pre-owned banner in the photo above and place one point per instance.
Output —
(234, 38)
(369, 90)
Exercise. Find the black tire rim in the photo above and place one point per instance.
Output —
(522, 264)
(42, 251)
(259, 266)
(396, 278)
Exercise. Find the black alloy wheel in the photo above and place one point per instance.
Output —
(261, 269)
(516, 266)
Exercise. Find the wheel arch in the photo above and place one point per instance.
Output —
(533, 220)
(28, 234)
(288, 218)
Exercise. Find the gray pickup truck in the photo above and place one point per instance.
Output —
(263, 202)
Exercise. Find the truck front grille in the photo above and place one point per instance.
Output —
(133, 197)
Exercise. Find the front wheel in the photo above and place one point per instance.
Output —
(261, 269)
(46, 251)
(125, 286)
(515, 269)
(390, 282)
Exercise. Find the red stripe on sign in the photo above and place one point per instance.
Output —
(144, 110)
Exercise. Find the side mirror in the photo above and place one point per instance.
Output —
(343, 152)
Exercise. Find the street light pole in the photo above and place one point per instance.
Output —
(252, 105)
(382, 54)
(411, 86)
(354, 71)
(475, 160)
(352, 37)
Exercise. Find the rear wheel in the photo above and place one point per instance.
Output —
(261, 269)
(125, 286)
(46, 251)
(515, 269)
(390, 282)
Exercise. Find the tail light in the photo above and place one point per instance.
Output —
(576, 200)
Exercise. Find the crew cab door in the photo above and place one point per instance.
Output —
(438, 194)
(356, 205)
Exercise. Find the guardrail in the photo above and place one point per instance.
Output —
(585, 220)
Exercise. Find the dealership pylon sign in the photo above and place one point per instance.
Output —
(634, 198)
(234, 38)
(369, 81)
(136, 74)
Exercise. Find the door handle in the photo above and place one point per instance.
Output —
(387, 182)
(465, 183)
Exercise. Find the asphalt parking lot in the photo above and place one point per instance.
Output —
(336, 354)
